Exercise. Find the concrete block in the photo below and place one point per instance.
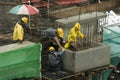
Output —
(15, 46)
(96, 56)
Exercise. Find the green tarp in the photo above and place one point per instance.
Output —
(111, 36)
(20, 62)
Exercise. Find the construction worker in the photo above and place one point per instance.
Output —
(55, 37)
(54, 59)
(18, 34)
(72, 37)
(58, 39)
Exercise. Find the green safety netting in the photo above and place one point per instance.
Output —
(111, 36)
(21, 62)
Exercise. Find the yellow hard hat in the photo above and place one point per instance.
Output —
(77, 26)
(51, 48)
(25, 19)
(60, 32)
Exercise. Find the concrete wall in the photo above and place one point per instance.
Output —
(88, 22)
(87, 8)
(96, 56)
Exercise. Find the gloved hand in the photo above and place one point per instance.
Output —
(63, 49)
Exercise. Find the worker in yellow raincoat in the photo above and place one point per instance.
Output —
(18, 34)
(72, 36)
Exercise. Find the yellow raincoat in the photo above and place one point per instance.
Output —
(18, 33)
(73, 34)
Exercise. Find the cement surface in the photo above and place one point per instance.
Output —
(14, 46)
(81, 17)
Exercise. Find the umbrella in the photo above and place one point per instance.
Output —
(24, 10)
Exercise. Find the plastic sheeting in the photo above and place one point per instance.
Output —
(21, 62)
(111, 36)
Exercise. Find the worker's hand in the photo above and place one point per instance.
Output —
(63, 49)
(64, 42)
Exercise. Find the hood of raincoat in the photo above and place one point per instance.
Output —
(77, 26)
(60, 32)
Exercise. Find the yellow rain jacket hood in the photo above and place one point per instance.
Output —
(77, 26)
(18, 33)
(73, 34)
(60, 32)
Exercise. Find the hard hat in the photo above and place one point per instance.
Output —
(25, 19)
(77, 26)
(51, 48)
(60, 32)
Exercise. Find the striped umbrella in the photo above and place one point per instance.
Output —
(24, 10)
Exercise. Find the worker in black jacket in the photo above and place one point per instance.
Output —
(54, 59)
(55, 37)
